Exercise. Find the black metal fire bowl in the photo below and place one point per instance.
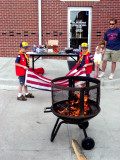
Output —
(93, 112)
(62, 93)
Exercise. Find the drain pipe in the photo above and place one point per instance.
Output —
(39, 21)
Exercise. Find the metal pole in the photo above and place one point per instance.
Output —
(39, 20)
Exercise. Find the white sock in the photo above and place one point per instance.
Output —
(19, 94)
(26, 94)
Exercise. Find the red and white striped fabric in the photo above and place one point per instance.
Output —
(37, 81)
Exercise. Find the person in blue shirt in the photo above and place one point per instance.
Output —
(22, 63)
(112, 53)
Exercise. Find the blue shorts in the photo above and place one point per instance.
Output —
(87, 75)
(21, 79)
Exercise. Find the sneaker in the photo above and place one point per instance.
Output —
(29, 95)
(95, 76)
(21, 98)
(101, 75)
(111, 76)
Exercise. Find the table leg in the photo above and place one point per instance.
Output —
(33, 63)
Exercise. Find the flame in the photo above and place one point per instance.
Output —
(86, 106)
(72, 108)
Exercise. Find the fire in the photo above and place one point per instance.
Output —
(72, 108)
(86, 106)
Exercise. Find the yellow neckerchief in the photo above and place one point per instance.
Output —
(26, 57)
(81, 58)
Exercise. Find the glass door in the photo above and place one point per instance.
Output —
(79, 26)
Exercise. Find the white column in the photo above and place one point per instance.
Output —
(39, 21)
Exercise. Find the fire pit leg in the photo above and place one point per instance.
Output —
(85, 133)
(83, 127)
(55, 129)
(87, 143)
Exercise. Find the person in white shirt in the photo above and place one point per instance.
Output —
(100, 50)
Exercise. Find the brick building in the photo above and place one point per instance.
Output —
(71, 22)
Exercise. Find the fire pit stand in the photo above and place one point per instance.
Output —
(87, 143)
(75, 105)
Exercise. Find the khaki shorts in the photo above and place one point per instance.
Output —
(112, 55)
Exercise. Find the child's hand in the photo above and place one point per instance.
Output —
(85, 65)
(103, 51)
(25, 67)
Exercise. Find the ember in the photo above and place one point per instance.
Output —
(72, 108)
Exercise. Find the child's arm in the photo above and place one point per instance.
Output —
(89, 64)
(97, 51)
(19, 65)
(103, 51)
(90, 61)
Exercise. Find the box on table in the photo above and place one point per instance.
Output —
(52, 47)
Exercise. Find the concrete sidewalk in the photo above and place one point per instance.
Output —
(25, 129)
(53, 69)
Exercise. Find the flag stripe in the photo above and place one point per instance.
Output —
(40, 82)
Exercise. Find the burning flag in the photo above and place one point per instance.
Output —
(37, 81)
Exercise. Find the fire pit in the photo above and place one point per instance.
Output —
(75, 105)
